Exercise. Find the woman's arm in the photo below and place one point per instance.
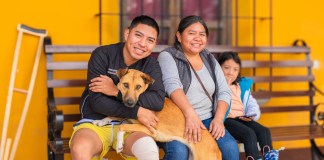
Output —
(193, 122)
(170, 74)
(217, 128)
(174, 89)
(224, 93)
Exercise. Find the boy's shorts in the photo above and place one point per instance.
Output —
(105, 135)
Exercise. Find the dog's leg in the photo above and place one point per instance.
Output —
(102, 122)
(207, 148)
(136, 128)
(129, 128)
(120, 141)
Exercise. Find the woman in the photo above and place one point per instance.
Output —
(245, 111)
(183, 87)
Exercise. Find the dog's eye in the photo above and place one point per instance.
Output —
(125, 85)
(138, 87)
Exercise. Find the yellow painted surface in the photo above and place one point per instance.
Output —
(67, 22)
(74, 22)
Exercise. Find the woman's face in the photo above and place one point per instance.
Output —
(231, 70)
(193, 38)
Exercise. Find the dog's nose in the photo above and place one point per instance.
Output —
(130, 103)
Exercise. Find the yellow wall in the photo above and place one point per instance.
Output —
(67, 22)
(73, 22)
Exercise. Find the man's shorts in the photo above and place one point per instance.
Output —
(104, 133)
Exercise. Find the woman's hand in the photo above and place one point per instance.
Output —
(103, 84)
(193, 127)
(193, 124)
(217, 128)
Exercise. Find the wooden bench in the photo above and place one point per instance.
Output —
(270, 67)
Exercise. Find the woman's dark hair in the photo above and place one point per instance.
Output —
(143, 19)
(231, 55)
(186, 22)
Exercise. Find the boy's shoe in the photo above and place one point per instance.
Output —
(272, 154)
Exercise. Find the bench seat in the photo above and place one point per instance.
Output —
(287, 133)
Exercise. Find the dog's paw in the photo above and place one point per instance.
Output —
(120, 141)
(102, 122)
(99, 122)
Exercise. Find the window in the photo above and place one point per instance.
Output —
(169, 12)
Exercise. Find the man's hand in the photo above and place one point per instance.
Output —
(147, 118)
(103, 84)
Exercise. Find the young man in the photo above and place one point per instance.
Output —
(101, 98)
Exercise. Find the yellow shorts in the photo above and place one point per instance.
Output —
(104, 133)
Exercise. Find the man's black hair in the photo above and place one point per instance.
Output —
(143, 19)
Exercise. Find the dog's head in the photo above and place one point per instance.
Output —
(131, 84)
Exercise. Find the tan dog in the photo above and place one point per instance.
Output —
(130, 86)
(171, 124)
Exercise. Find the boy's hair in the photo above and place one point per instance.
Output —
(231, 55)
(143, 19)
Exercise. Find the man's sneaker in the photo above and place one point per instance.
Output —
(272, 154)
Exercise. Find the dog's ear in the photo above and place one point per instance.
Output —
(121, 72)
(147, 78)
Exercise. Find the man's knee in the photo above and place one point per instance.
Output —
(79, 152)
(145, 148)
(84, 149)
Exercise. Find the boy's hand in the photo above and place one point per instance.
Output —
(103, 84)
(147, 118)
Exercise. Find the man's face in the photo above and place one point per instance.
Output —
(139, 43)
